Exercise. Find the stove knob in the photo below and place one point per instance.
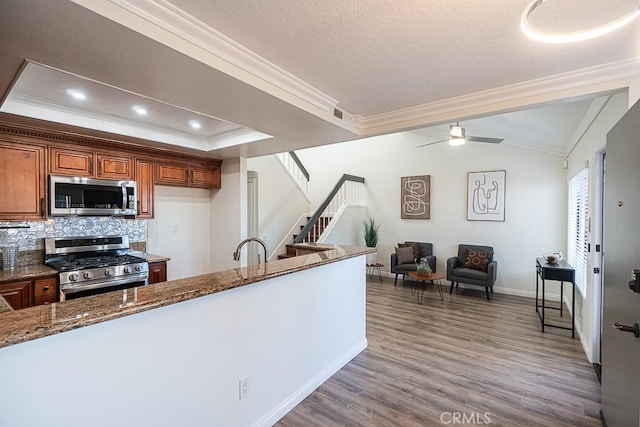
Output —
(108, 272)
(73, 277)
(127, 269)
(139, 267)
(87, 274)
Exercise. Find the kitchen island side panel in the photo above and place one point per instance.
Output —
(181, 364)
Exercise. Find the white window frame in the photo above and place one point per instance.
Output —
(578, 228)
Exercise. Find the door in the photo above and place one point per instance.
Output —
(621, 349)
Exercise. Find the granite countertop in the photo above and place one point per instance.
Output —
(44, 320)
(27, 272)
(150, 257)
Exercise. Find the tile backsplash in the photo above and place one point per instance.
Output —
(32, 238)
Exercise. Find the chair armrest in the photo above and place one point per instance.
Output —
(492, 271)
(451, 264)
(394, 262)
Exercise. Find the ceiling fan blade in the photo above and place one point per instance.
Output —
(431, 143)
(483, 139)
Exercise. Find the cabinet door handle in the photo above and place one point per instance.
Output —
(90, 165)
(42, 207)
(45, 288)
(193, 176)
(138, 208)
(99, 167)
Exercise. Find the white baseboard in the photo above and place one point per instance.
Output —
(499, 290)
(313, 384)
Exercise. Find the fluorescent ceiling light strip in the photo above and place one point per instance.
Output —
(570, 37)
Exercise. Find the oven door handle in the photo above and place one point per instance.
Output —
(100, 283)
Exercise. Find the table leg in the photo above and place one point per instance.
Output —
(439, 283)
(420, 294)
(379, 274)
(561, 296)
(573, 309)
(537, 280)
(542, 307)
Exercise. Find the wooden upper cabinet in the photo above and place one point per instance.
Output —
(23, 181)
(172, 173)
(144, 182)
(114, 167)
(188, 174)
(201, 176)
(78, 162)
(74, 162)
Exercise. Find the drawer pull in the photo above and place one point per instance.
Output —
(46, 288)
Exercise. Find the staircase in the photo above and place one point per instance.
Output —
(312, 236)
(348, 190)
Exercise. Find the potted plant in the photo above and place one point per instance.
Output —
(371, 234)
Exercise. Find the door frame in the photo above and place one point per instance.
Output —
(597, 257)
(252, 216)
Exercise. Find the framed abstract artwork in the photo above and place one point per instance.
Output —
(485, 195)
(415, 197)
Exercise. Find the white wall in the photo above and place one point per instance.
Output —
(181, 220)
(535, 198)
(181, 364)
(229, 215)
(280, 201)
(347, 229)
(593, 141)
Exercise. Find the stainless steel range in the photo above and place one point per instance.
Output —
(94, 265)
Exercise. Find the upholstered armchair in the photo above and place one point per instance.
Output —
(402, 263)
(474, 265)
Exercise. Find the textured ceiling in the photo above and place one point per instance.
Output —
(376, 56)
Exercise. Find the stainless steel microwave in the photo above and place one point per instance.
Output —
(70, 195)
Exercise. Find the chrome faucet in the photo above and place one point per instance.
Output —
(236, 254)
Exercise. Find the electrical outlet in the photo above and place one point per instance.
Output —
(244, 387)
(174, 229)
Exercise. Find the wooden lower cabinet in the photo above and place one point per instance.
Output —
(45, 291)
(27, 293)
(17, 294)
(157, 272)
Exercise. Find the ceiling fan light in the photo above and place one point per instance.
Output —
(453, 140)
(456, 131)
(570, 37)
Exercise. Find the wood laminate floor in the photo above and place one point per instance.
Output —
(484, 362)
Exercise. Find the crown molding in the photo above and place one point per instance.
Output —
(167, 24)
(586, 81)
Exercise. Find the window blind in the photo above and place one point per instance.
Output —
(578, 228)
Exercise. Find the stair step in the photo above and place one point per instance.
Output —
(285, 256)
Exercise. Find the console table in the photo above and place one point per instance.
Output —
(562, 272)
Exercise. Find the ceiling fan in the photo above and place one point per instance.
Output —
(458, 137)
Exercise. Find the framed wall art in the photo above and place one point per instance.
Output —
(485, 195)
(415, 197)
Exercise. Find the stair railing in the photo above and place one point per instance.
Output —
(291, 162)
(348, 190)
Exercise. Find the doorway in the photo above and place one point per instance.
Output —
(252, 216)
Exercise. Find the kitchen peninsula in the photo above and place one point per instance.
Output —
(176, 352)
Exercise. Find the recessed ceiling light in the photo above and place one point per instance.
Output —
(76, 94)
(139, 110)
(194, 124)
